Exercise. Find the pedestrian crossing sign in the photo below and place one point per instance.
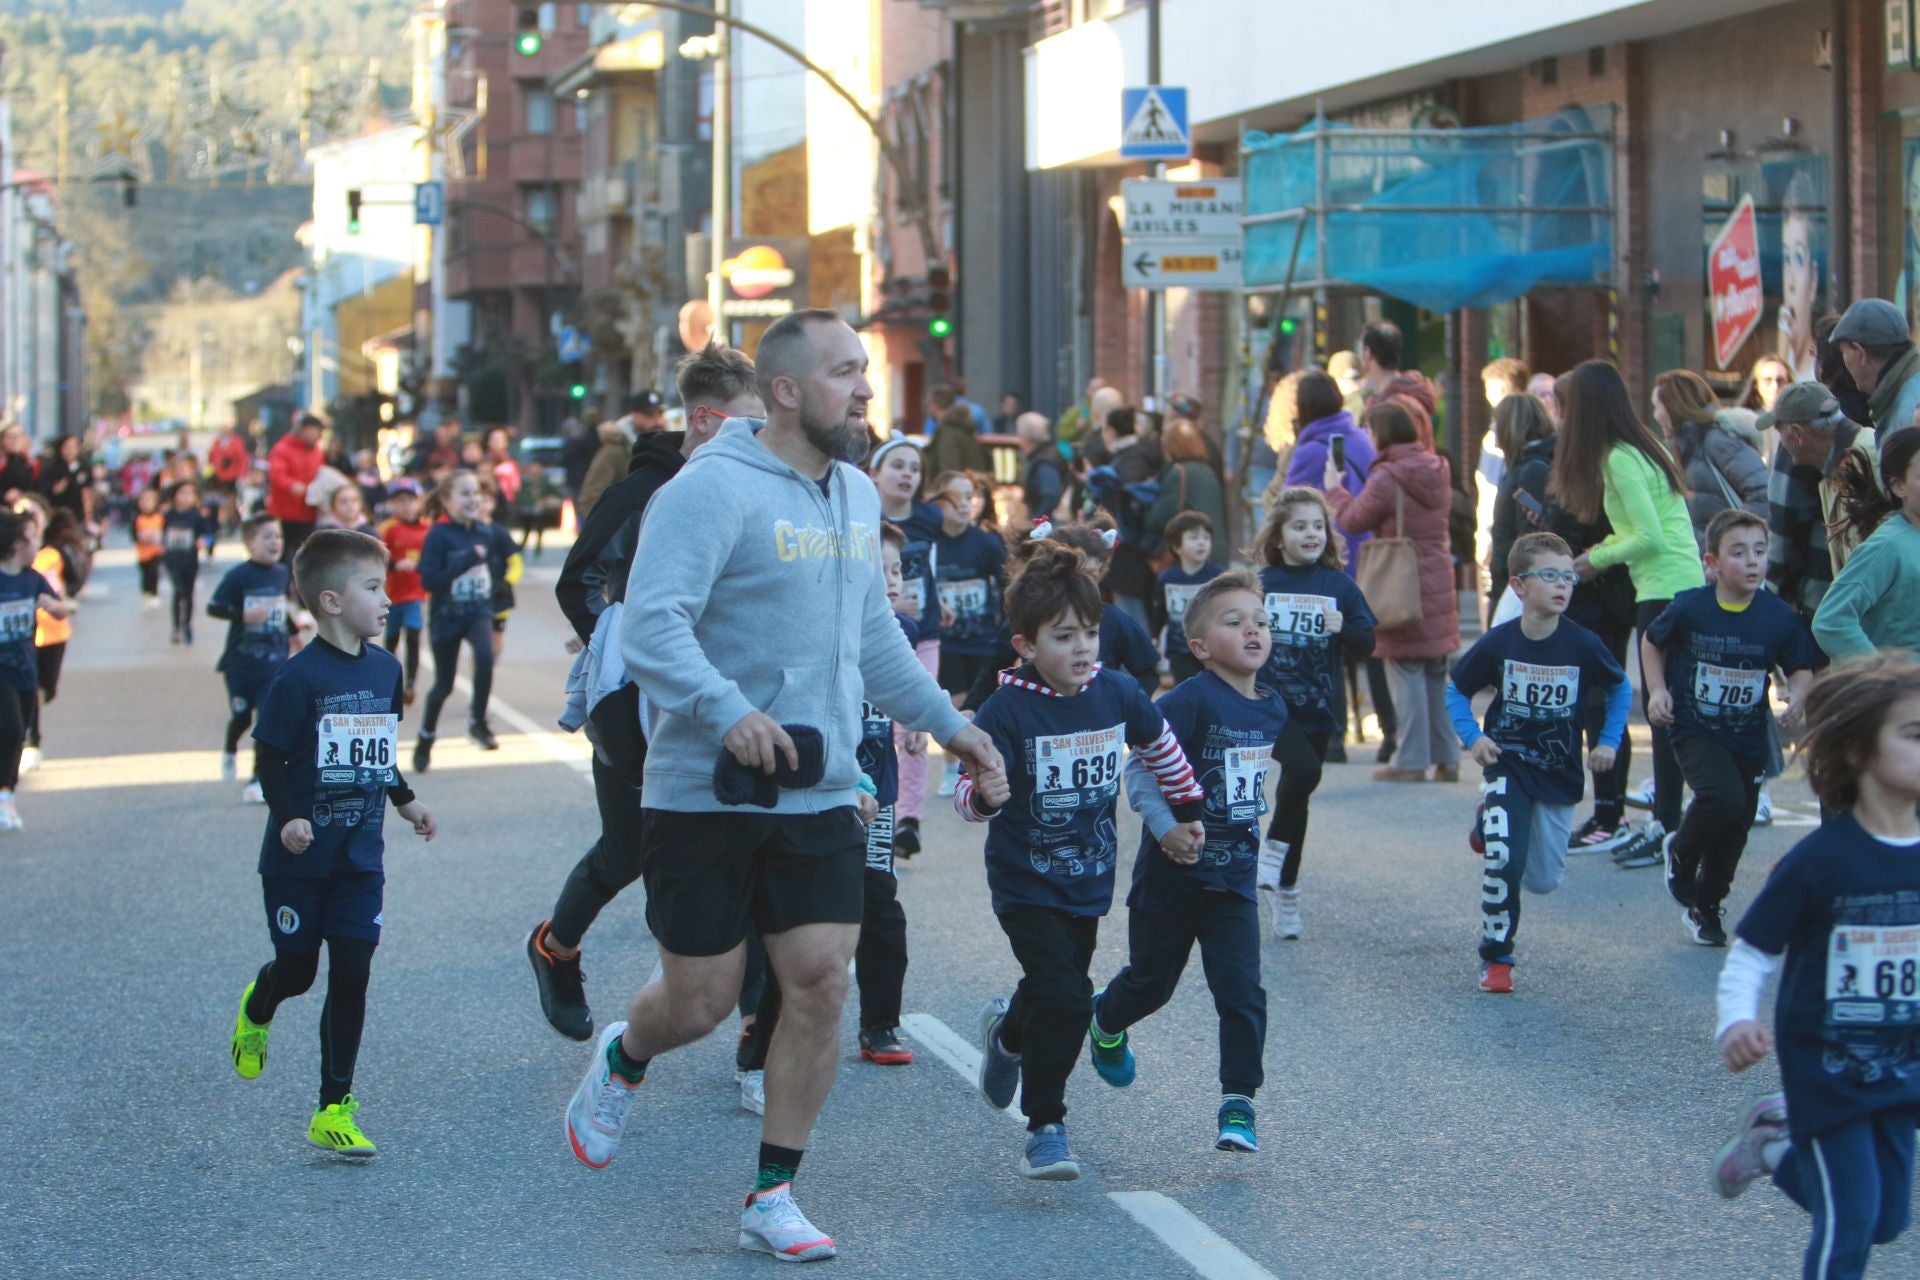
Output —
(1154, 123)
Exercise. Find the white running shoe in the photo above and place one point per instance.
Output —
(29, 759)
(1640, 797)
(772, 1223)
(252, 793)
(753, 1091)
(1273, 857)
(229, 767)
(9, 816)
(1286, 914)
(1763, 810)
(950, 778)
(597, 1115)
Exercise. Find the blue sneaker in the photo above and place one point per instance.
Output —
(1236, 1125)
(999, 1070)
(1047, 1158)
(1112, 1058)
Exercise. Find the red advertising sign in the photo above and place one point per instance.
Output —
(1733, 283)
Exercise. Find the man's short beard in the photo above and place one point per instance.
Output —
(837, 440)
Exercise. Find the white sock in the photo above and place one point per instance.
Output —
(1772, 1153)
(1273, 855)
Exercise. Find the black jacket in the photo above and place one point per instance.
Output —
(595, 574)
(1604, 605)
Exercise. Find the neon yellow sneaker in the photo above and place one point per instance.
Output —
(249, 1041)
(333, 1129)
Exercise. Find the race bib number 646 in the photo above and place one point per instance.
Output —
(357, 750)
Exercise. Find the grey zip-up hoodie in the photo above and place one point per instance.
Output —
(753, 591)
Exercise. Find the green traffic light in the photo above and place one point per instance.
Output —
(939, 327)
(353, 226)
(1289, 325)
(527, 43)
(578, 391)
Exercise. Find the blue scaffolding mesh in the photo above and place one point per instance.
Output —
(1442, 218)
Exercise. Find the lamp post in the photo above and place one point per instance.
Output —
(699, 48)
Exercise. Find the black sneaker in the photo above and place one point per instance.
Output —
(906, 837)
(1703, 924)
(1679, 884)
(883, 1046)
(482, 736)
(1385, 754)
(563, 989)
(1644, 850)
(1336, 753)
(423, 753)
(1596, 835)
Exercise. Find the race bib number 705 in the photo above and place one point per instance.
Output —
(357, 749)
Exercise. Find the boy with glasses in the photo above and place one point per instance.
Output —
(1537, 666)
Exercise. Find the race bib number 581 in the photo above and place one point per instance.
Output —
(357, 750)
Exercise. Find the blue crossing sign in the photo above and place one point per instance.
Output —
(1153, 123)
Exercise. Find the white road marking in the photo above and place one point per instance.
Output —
(1197, 1244)
(569, 754)
(947, 1045)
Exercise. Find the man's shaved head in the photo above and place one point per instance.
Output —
(786, 349)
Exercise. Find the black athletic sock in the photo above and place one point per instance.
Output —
(777, 1165)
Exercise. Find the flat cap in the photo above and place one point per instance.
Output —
(1872, 322)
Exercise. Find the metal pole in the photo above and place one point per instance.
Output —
(722, 216)
(1156, 298)
(1320, 344)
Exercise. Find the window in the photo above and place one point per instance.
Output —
(543, 209)
(539, 110)
(549, 17)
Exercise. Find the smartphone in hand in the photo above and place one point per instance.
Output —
(1337, 447)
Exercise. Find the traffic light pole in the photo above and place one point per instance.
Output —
(1156, 298)
(722, 216)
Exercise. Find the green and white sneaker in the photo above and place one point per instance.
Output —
(1236, 1125)
(249, 1041)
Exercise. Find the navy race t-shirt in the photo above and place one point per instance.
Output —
(970, 577)
(1303, 667)
(1845, 909)
(1177, 588)
(1718, 665)
(922, 529)
(254, 650)
(1228, 739)
(19, 600)
(338, 720)
(1053, 844)
(1536, 717)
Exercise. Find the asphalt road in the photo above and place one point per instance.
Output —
(1411, 1126)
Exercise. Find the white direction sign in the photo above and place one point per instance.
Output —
(1181, 264)
(1160, 210)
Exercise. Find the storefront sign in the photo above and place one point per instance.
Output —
(1733, 283)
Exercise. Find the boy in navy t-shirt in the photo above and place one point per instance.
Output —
(1185, 892)
(1190, 536)
(23, 591)
(1843, 908)
(1537, 666)
(252, 600)
(328, 764)
(1708, 659)
(1062, 725)
(181, 532)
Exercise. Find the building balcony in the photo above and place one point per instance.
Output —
(536, 158)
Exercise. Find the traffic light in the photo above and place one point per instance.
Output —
(1288, 325)
(939, 303)
(528, 40)
(578, 391)
(353, 211)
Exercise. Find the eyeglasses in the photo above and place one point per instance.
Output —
(1552, 577)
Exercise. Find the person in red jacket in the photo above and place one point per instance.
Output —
(291, 466)
(405, 535)
(228, 460)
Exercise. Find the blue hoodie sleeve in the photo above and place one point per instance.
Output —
(1619, 703)
(1460, 711)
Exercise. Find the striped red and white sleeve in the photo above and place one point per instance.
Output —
(1170, 767)
(965, 801)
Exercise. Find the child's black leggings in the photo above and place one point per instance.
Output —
(289, 974)
(478, 635)
(1301, 755)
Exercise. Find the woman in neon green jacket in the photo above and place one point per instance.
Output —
(1608, 461)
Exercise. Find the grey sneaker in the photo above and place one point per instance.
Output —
(1644, 850)
(999, 1070)
(1743, 1160)
(1236, 1125)
(1047, 1158)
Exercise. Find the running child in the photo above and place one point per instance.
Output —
(1186, 891)
(1189, 536)
(1843, 909)
(1312, 604)
(64, 561)
(1708, 660)
(328, 758)
(895, 468)
(24, 592)
(404, 535)
(1060, 723)
(504, 563)
(455, 569)
(149, 535)
(252, 600)
(1537, 666)
(185, 525)
(970, 573)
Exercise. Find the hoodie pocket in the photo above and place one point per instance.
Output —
(802, 696)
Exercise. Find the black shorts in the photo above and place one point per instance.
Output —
(712, 876)
(960, 671)
(301, 911)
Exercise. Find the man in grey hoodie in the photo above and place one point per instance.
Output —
(763, 605)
